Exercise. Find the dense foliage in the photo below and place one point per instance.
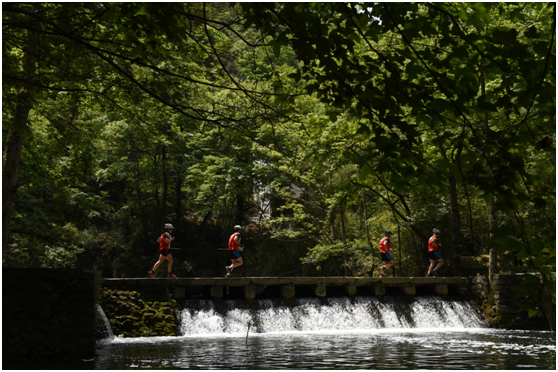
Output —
(316, 126)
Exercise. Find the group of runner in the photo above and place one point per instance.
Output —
(164, 251)
(236, 260)
(433, 253)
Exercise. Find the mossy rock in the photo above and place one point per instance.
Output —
(160, 328)
(168, 311)
(128, 325)
(148, 318)
(140, 314)
(169, 331)
(145, 332)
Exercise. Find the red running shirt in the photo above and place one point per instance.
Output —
(162, 244)
(385, 245)
(433, 243)
(233, 246)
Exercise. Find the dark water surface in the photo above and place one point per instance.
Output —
(483, 349)
(393, 349)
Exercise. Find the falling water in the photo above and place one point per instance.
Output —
(103, 323)
(206, 317)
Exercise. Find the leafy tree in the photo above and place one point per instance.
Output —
(479, 68)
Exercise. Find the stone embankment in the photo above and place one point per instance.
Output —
(47, 313)
(499, 304)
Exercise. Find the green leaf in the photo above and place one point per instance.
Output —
(505, 35)
(532, 33)
(533, 312)
(541, 48)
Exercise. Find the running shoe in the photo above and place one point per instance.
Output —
(152, 273)
(228, 269)
(171, 275)
(434, 272)
(228, 275)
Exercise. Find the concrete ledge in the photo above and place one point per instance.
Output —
(362, 281)
(241, 281)
(426, 281)
(395, 281)
(193, 281)
(273, 281)
(233, 282)
(153, 283)
(257, 284)
(335, 281)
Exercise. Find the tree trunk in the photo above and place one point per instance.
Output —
(178, 206)
(343, 240)
(493, 256)
(455, 250)
(16, 133)
(239, 209)
(365, 210)
(451, 249)
(165, 188)
(399, 249)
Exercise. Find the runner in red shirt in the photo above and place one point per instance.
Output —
(164, 251)
(385, 250)
(433, 254)
(234, 247)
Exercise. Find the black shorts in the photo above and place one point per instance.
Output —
(386, 257)
(234, 254)
(164, 252)
(434, 255)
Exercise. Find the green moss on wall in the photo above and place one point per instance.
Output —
(140, 314)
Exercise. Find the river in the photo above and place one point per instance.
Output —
(337, 333)
(430, 348)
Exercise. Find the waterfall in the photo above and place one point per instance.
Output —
(206, 317)
(103, 324)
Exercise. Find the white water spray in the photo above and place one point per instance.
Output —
(205, 317)
(102, 318)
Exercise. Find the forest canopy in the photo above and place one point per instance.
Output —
(315, 126)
